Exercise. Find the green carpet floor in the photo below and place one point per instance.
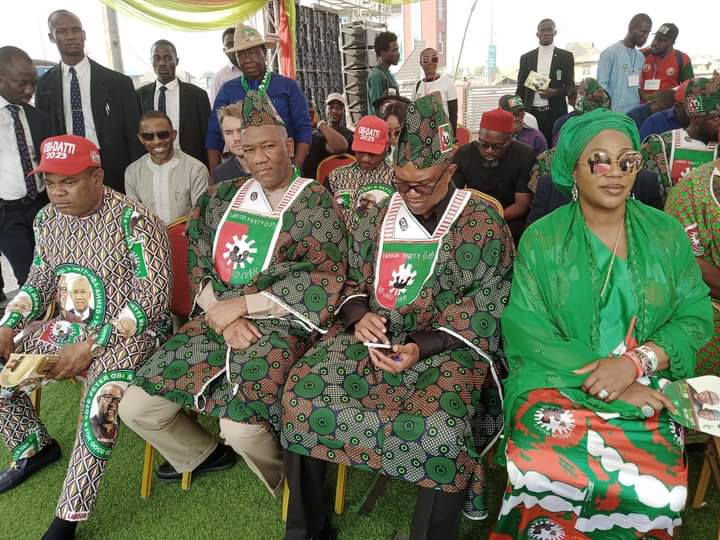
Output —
(225, 505)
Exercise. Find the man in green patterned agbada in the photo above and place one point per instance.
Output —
(267, 261)
(401, 382)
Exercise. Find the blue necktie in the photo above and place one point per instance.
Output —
(161, 99)
(24, 151)
(78, 119)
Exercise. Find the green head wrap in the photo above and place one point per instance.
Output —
(258, 110)
(577, 133)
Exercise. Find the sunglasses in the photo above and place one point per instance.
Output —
(420, 189)
(494, 147)
(150, 136)
(430, 60)
(600, 163)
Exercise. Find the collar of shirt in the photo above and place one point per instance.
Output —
(4, 103)
(435, 216)
(546, 49)
(82, 68)
(171, 86)
(169, 165)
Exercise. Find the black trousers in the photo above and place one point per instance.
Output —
(17, 241)
(545, 118)
(436, 516)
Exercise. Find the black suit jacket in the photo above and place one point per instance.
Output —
(194, 114)
(39, 123)
(562, 77)
(548, 197)
(115, 109)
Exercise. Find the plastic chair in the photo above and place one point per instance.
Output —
(463, 135)
(330, 163)
(489, 200)
(180, 305)
(340, 487)
(711, 467)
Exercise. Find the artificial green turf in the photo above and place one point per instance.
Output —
(231, 504)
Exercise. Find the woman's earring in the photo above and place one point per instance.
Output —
(574, 192)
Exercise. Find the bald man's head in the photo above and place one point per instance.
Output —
(17, 75)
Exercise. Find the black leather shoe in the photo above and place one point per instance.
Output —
(23, 469)
(60, 530)
(222, 458)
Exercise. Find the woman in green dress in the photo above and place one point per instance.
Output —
(607, 305)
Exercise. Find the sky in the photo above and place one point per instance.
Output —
(515, 23)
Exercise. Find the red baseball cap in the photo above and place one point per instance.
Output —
(371, 135)
(68, 155)
(497, 120)
(680, 92)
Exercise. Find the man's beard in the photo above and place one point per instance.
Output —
(490, 163)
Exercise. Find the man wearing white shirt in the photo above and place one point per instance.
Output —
(231, 71)
(22, 129)
(558, 66)
(86, 99)
(433, 82)
(166, 180)
(187, 105)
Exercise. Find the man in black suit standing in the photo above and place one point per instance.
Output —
(84, 98)
(22, 129)
(187, 105)
(556, 64)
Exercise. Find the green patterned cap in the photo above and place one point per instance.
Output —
(702, 96)
(591, 96)
(426, 138)
(257, 110)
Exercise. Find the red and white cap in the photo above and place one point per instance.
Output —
(68, 155)
(371, 135)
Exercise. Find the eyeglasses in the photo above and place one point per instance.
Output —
(430, 60)
(420, 189)
(150, 136)
(110, 398)
(494, 147)
(600, 163)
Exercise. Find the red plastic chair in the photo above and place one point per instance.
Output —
(330, 163)
(463, 135)
(180, 301)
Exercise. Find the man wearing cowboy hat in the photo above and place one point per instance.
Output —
(288, 99)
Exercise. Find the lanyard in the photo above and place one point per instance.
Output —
(264, 84)
(632, 60)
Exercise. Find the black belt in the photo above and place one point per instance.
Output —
(541, 109)
(25, 201)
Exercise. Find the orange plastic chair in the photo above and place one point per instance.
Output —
(330, 163)
(489, 200)
(180, 305)
(463, 135)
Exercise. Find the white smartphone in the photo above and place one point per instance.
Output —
(371, 345)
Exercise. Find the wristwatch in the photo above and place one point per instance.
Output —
(321, 122)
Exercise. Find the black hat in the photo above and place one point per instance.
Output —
(668, 30)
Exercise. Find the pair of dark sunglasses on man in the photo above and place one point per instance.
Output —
(430, 60)
(600, 163)
(150, 135)
(420, 189)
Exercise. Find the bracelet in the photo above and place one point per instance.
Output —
(321, 122)
(635, 359)
(648, 358)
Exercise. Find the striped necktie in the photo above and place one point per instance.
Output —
(24, 151)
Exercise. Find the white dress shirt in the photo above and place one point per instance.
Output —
(545, 55)
(221, 77)
(12, 181)
(82, 69)
(172, 104)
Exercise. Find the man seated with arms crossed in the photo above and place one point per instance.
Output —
(267, 263)
(166, 179)
(368, 181)
(116, 251)
(499, 166)
(230, 118)
(429, 275)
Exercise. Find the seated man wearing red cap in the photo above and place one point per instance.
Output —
(113, 255)
(368, 181)
(403, 378)
(499, 166)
